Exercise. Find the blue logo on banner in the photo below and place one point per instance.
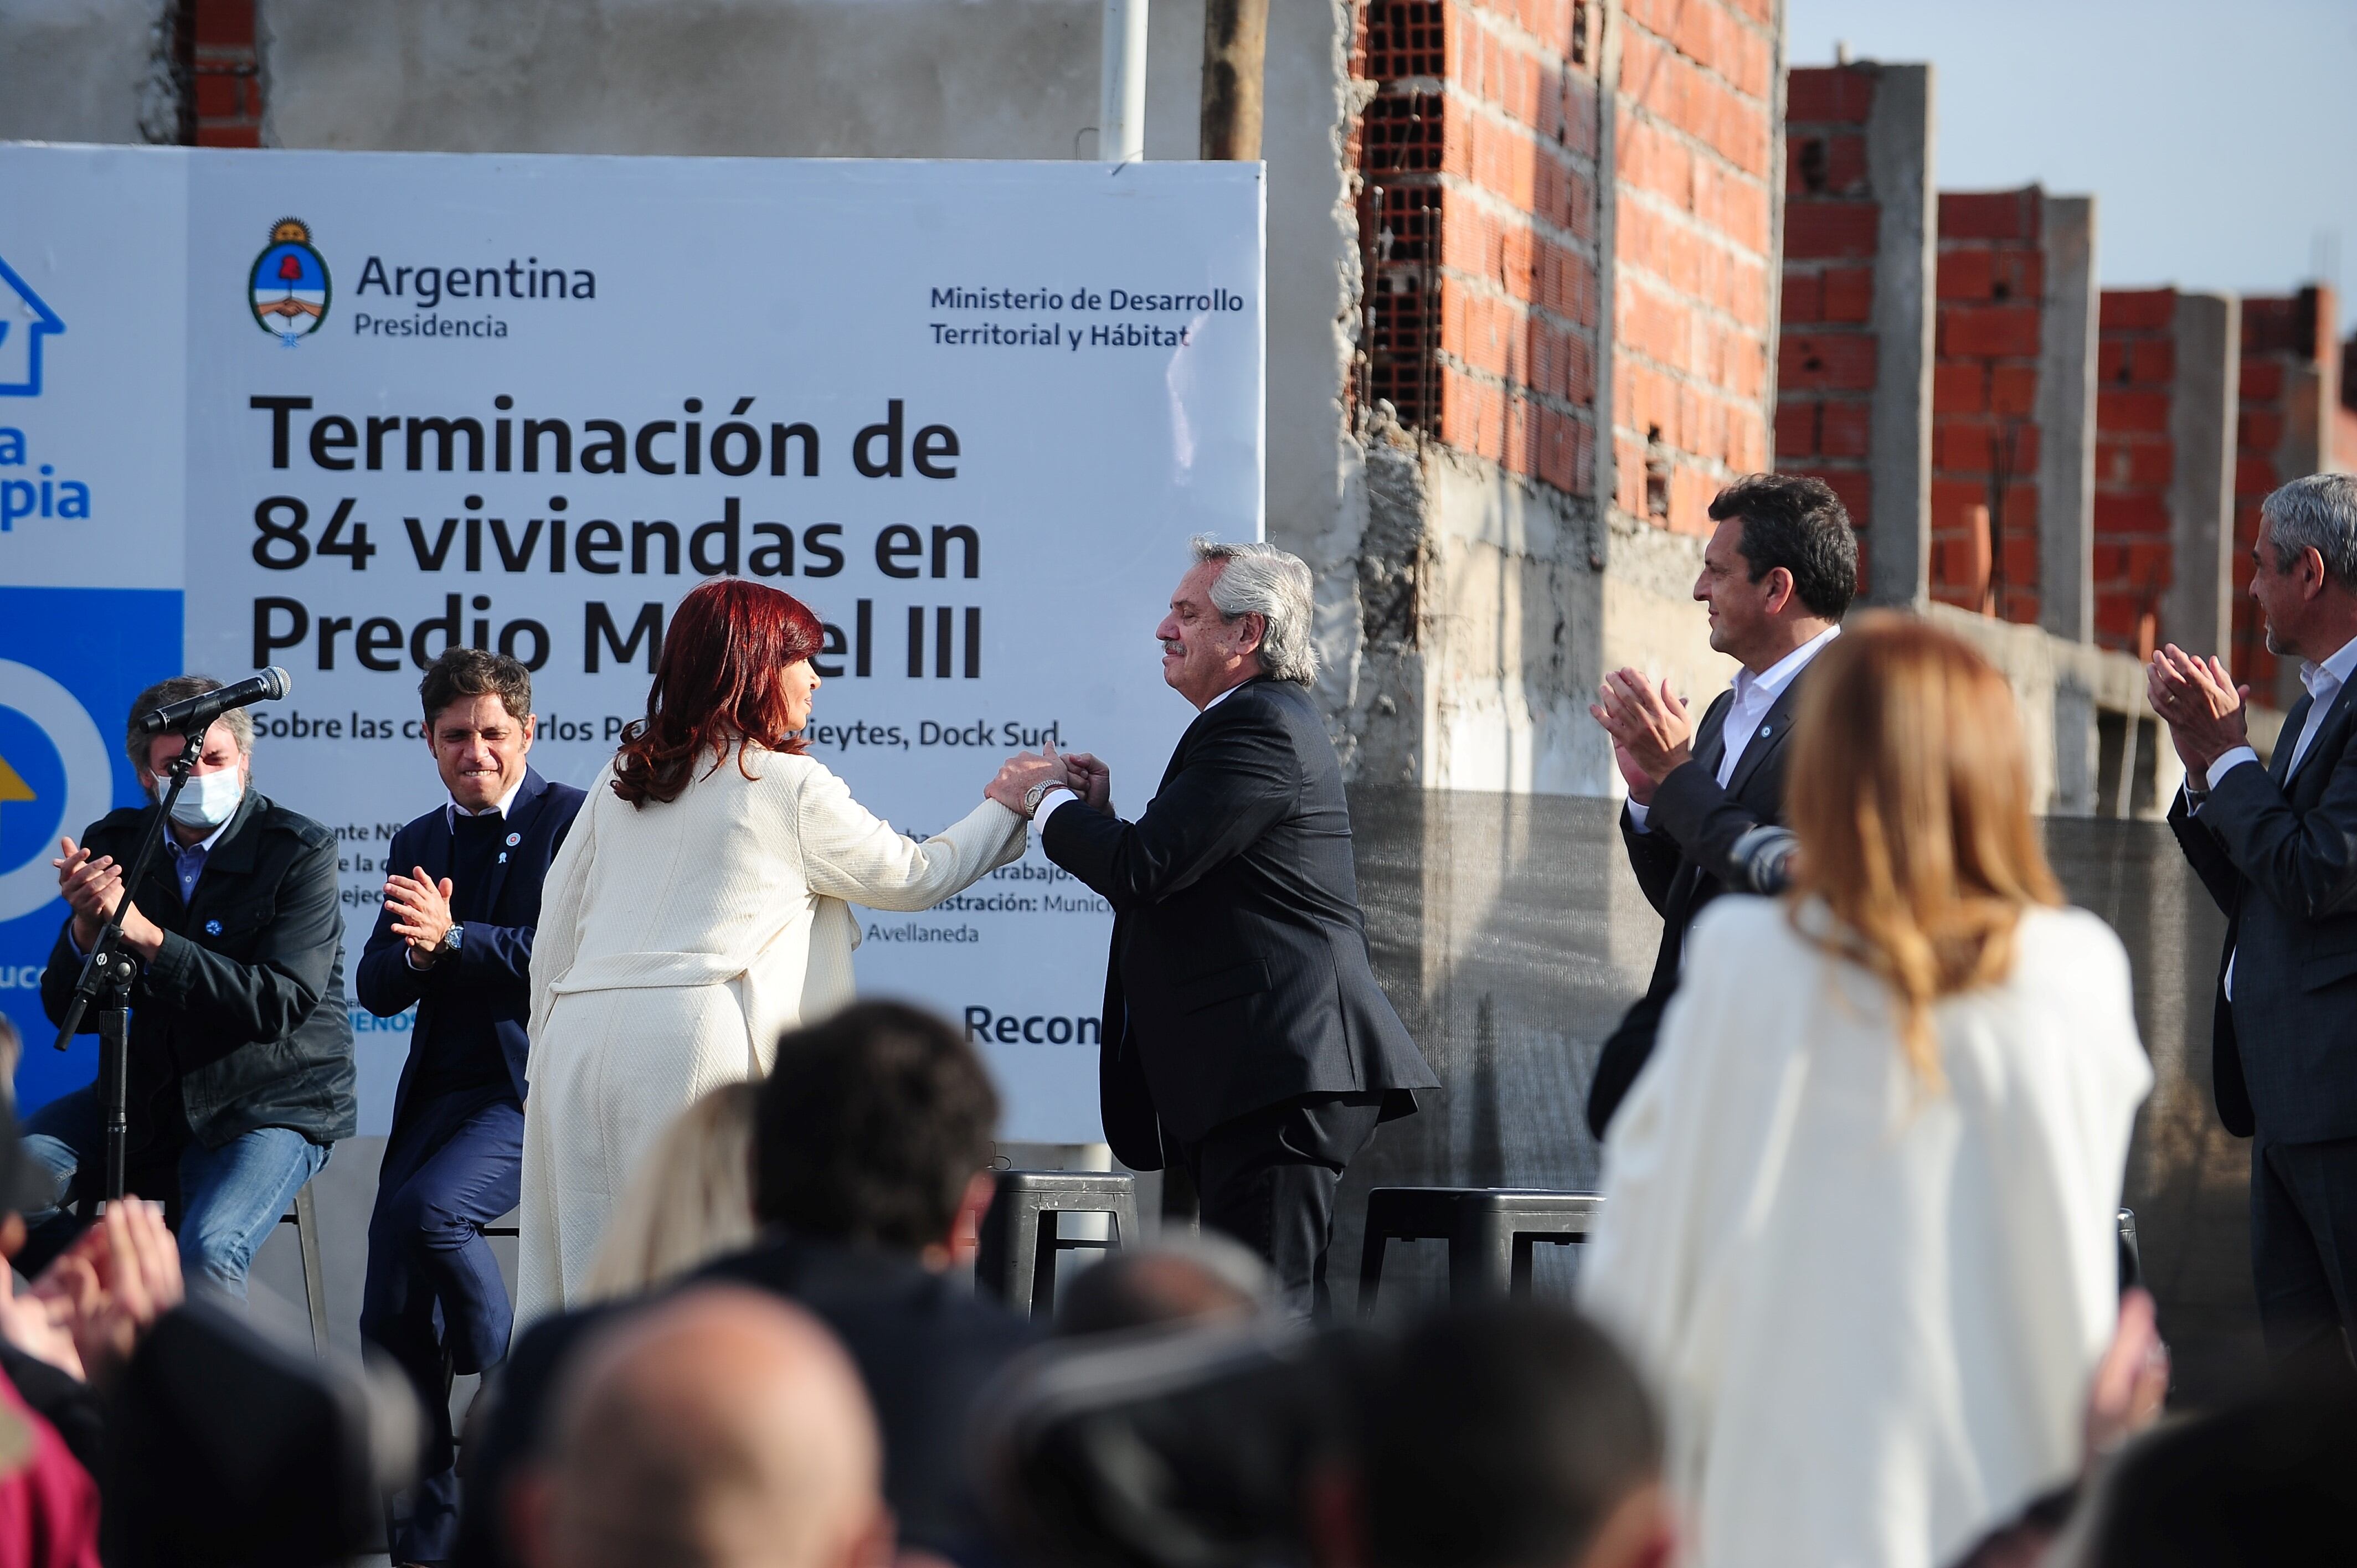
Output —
(23, 322)
(71, 660)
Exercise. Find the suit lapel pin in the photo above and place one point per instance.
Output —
(212, 927)
(503, 857)
(514, 840)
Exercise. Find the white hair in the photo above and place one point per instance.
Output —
(1275, 585)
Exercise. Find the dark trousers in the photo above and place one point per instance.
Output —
(2304, 1255)
(435, 1300)
(1268, 1179)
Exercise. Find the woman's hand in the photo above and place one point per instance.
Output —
(108, 1289)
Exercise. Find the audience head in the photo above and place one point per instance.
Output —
(721, 1428)
(734, 667)
(1512, 1436)
(2305, 564)
(690, 1201)
(12, 1051)
(479, 723)
(875, 1129)
(1185, 1279)
(1909, 792)
(1782, 563)
(1242, 611)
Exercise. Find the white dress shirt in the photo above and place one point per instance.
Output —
(2323, 682)
(1754, 695)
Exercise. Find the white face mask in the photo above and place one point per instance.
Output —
(209, 799)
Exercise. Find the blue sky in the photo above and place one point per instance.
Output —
(2219, 140)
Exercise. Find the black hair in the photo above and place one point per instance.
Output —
(475, 673)
(871, 1124)
(1797, 522)
(1503, 1436)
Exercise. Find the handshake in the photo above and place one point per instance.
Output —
(1030, 781)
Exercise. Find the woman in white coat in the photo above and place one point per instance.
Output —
(1859, 1221)
(698, 909)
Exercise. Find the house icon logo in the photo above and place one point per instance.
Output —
(289, 286)
(23, 322)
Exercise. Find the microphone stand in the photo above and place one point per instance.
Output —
(106, 978)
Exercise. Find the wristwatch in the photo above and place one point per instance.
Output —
(1039, 792)
(449, 946)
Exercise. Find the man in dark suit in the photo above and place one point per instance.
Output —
(2277, 847)
(240, 1062)
(454, 940)
(870, 1173)
(1778, 574)
(1245, 1036)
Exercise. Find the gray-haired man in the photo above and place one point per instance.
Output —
(2276, 846)
(1245, 1036)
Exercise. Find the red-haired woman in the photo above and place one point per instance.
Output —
(698, 909)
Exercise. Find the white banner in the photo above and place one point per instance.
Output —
(358, 407)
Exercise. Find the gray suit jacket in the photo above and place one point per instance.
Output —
(2280, 857)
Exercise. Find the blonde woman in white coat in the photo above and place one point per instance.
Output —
(1859, 1217)
(698, 909)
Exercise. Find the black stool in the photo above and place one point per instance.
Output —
(1489, 1232)
(1017, 1260)
(2131, 1255)
(306, 1220)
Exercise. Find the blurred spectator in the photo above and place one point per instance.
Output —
(1859, 1208)
(1181, 1279)
(690, 1201)
(1510, 1436)
(722, 1427)
(870, 1158)
(12, 1051)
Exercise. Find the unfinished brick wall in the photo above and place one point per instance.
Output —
(219, 73)
(2135, 465)
(2290, 365)
(1479, 220)
(1480, 214)
(1985, 384)
(1694, 143)
(1826, 358)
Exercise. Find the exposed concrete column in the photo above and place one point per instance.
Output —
(1235, 50)
(2066, 420)
(2197, 610)
(1899, 161)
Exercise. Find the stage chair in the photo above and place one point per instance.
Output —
(1489, 1232)
(1017, 1260)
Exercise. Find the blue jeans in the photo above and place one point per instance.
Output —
(230, 1198)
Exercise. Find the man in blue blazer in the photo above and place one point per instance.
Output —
(454, 940)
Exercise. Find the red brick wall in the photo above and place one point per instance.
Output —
(2288, 346)
(1825, 360)
(2135, 371)
(1984, 437)
(224, 73)
(1694, 149)
(1478, 220)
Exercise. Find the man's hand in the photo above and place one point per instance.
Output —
(108, 1289)
(92, 886)
(1092, 780)
(1019, 772)
(2131, 1381)
(1652, 736)
(34, 1326)
(421, 912)
(2202, 706)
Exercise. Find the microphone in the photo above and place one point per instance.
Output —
(197, 712)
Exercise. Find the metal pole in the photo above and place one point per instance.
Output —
(1235, 50)
(1121, 114)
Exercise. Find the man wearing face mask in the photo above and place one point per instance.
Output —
(241, 1060)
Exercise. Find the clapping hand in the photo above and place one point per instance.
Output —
(2201, 703)
(421, 912)
(1019, 772)
(91, 886)
(1652, 735)
(105, 1293)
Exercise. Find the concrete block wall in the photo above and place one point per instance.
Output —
(2165, 366)
(2012, 408)
(1854, 358)
(2289, 393)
